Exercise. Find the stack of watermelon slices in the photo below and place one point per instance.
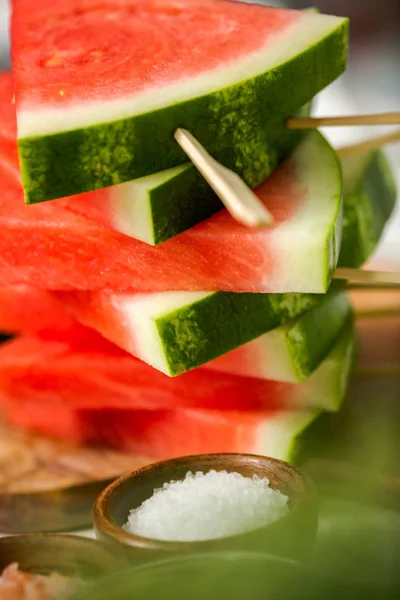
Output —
(146, 317)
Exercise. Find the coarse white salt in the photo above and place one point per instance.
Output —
(207, 506)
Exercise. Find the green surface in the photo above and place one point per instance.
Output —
(204, 330)
(370, 196)
(232, 123)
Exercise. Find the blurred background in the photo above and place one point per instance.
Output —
(372, 83)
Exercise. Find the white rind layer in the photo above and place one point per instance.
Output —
(326, 387)
(276, 436)
(43, 120)
(131, 204)
(140, 312)
(323, 389)
(301, 243)
(266, 357)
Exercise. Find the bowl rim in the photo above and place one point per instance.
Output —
(20, 542)
(13, 502)
(107, 529)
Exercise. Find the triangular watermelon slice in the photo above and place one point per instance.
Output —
(100, 89)
(288, 353)
(87, 377)
(177, 332)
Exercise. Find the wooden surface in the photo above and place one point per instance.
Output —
(46, 485)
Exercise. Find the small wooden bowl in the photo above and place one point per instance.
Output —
(207, 576)
(292, 536)
(68, 555)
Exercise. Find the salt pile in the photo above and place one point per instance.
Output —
(207, 506)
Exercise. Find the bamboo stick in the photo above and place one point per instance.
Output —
(345, 121)
(372, 278)
(369, 145)
(238, 198)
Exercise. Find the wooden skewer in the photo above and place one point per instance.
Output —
(368, 145)
(314, 122)
(368, 277)
(372, 286)
(238, 198)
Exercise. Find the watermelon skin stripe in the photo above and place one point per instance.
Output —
(370, 199)
(60, 164)
(291, 352)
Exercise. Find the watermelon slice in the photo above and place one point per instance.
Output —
(99, 96)
(162, 434)
(178, 331)
(80, 377)
(370, 196)
(288, 353)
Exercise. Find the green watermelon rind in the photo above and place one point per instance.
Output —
(369, 205)
(222, 321)
(293, 352)
(180, 203)
(332, 377)
(309, 339)
(71, 162)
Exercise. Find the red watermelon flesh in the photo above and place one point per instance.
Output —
(51, 247)
(131, 53)
(56, 420)
(27, 309)
(93, 377)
